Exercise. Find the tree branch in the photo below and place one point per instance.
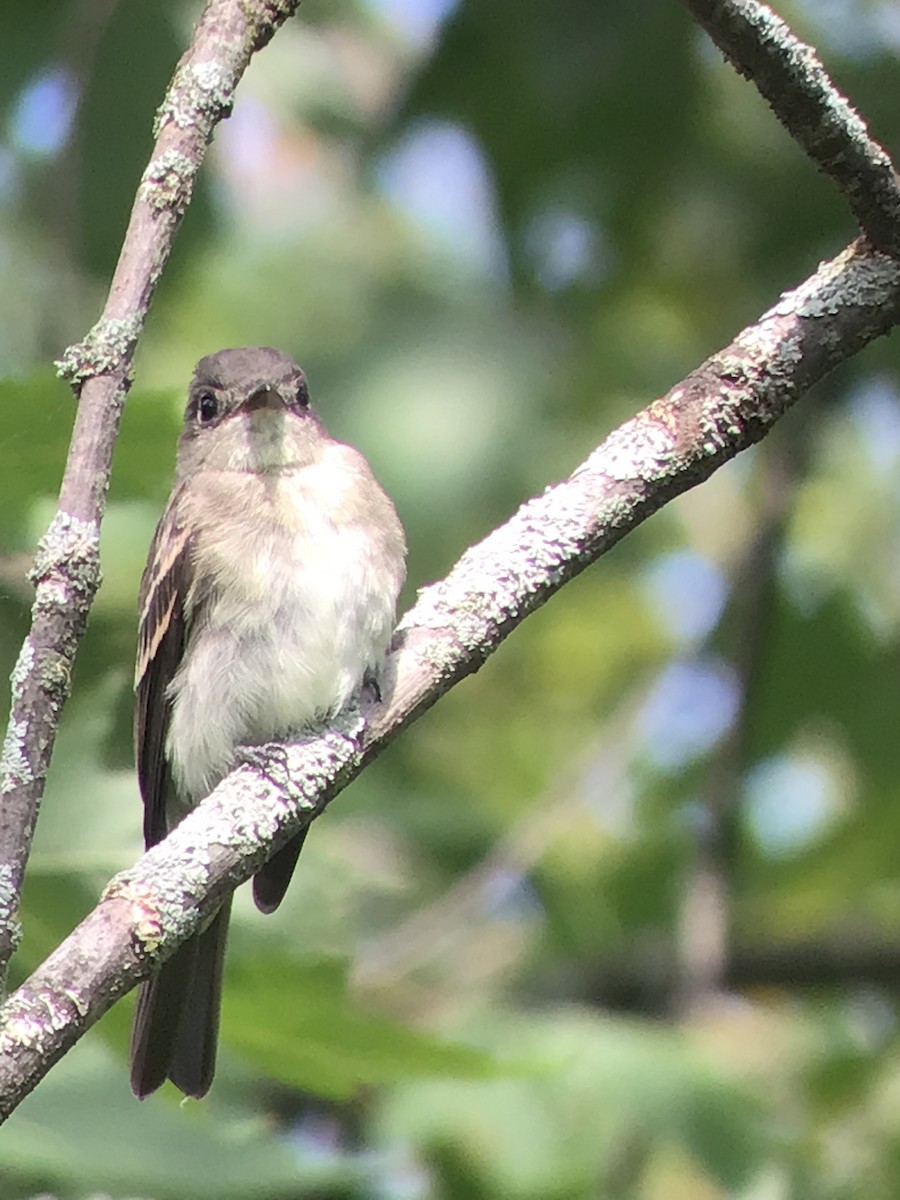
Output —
(787, 72)
(704, 925)
(724, 406)
(66, 570)
(643, 981)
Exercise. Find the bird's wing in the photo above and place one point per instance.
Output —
(161, 637)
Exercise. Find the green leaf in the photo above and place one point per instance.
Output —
(82, 1130)
(295, 1021)
(38, 411)
(605, 1089)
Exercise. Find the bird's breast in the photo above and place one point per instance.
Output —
(292, 604)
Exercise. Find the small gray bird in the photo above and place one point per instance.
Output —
(268, 599)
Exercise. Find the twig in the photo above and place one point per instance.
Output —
(66, 571)
(726, 405)
(787, 72)
(704, 923)
(438, 929)
(643, 981)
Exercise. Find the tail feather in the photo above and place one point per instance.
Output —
(176, 1022)
(271, 880)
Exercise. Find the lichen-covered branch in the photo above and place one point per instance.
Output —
(790, 76)
(727, 404)
(66, 570)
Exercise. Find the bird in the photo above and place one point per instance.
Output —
(267, 603)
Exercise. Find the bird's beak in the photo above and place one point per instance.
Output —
(265, 397)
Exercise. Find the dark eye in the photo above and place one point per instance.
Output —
(207, 408)
(302, 395)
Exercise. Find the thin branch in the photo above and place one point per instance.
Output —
(643, 981)
(438, 930)
(704, 925)
(727, 404)
(66, 571)
(788, 73)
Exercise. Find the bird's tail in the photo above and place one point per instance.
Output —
(176, 1022)
(271, 880)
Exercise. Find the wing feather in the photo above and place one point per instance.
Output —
(161, 637)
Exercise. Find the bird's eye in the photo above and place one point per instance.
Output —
(302, 395)
(207, 408)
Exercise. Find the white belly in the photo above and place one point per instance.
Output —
(275, 647)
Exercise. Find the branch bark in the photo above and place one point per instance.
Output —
(789, 75)
(727, 404)
(66, 570)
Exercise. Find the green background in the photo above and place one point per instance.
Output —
(492, 231)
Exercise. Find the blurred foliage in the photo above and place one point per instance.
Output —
(491, 232)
